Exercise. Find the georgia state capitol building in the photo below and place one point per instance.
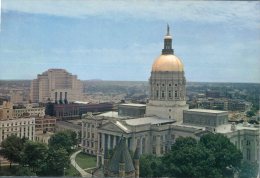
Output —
(166, 118)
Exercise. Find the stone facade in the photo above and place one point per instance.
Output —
(245, 137)
(56, 85)
(132, 110)
(22, 127)
(6, 111)
(205, 117)
(154, 135)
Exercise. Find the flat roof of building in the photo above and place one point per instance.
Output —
(227, 128)
(206, 111)
(148, 120)
(188, 126)
(67, 124)
(133, 104)
(110, 114)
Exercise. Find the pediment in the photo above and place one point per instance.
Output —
(112, 127)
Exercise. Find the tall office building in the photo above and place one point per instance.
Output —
(56, 85)
(167, 84)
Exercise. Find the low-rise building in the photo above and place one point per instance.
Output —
(6, 111)
(75, 110)
(46, 123)
(43, 137)
(22, 127)
(29, 111)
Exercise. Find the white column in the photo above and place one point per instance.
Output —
(98, 149)
(141, 145)
(114, 141)
(108, 142)
(158, 145)
(103, 143)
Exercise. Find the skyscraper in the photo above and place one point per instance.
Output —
(56, 85)
(167, 84)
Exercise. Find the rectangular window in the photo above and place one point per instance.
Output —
(162, 94)
(154, 138)
(176, 95)
(162, 138)
(248, 154)
(157, 93)
(154, 150)
(162, 151)
(170, 94)
(247, 142)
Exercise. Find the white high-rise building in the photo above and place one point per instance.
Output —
(56, 85)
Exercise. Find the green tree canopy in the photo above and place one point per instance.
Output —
(225, 153)
(150, 166)
(56, 161)
(34, 155)
(64, 139)
(250, 113)
(212, 156)
(189, 159)
(11, 148)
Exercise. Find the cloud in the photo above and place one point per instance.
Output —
(244, 13)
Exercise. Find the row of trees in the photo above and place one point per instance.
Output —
(212, 156)
(39, 159)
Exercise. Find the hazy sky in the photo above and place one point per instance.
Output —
(217, 41)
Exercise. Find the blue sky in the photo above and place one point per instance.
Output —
(217, 41)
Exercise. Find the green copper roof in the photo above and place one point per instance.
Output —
(121, 155)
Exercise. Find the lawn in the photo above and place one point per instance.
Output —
(85, 161)
(72, 172)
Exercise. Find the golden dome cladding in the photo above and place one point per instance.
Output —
(168, 63)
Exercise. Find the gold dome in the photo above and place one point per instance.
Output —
(169, 63)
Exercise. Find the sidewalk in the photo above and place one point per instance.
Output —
(74, 164)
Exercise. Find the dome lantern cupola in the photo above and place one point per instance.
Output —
(168, 43)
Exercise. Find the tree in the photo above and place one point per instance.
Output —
(24, 171)
(225, 153)
(34, 155)
(250, 113)
(189, 159)
(11, 148)
(64, 139)
(57, 160)
(150, 166)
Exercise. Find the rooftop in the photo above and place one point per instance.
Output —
(227, 128)
(110, 114)
(133, 104)
(206, 111)
(147, 120)
(67, 124)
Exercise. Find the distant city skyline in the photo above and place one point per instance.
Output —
(217, 41)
